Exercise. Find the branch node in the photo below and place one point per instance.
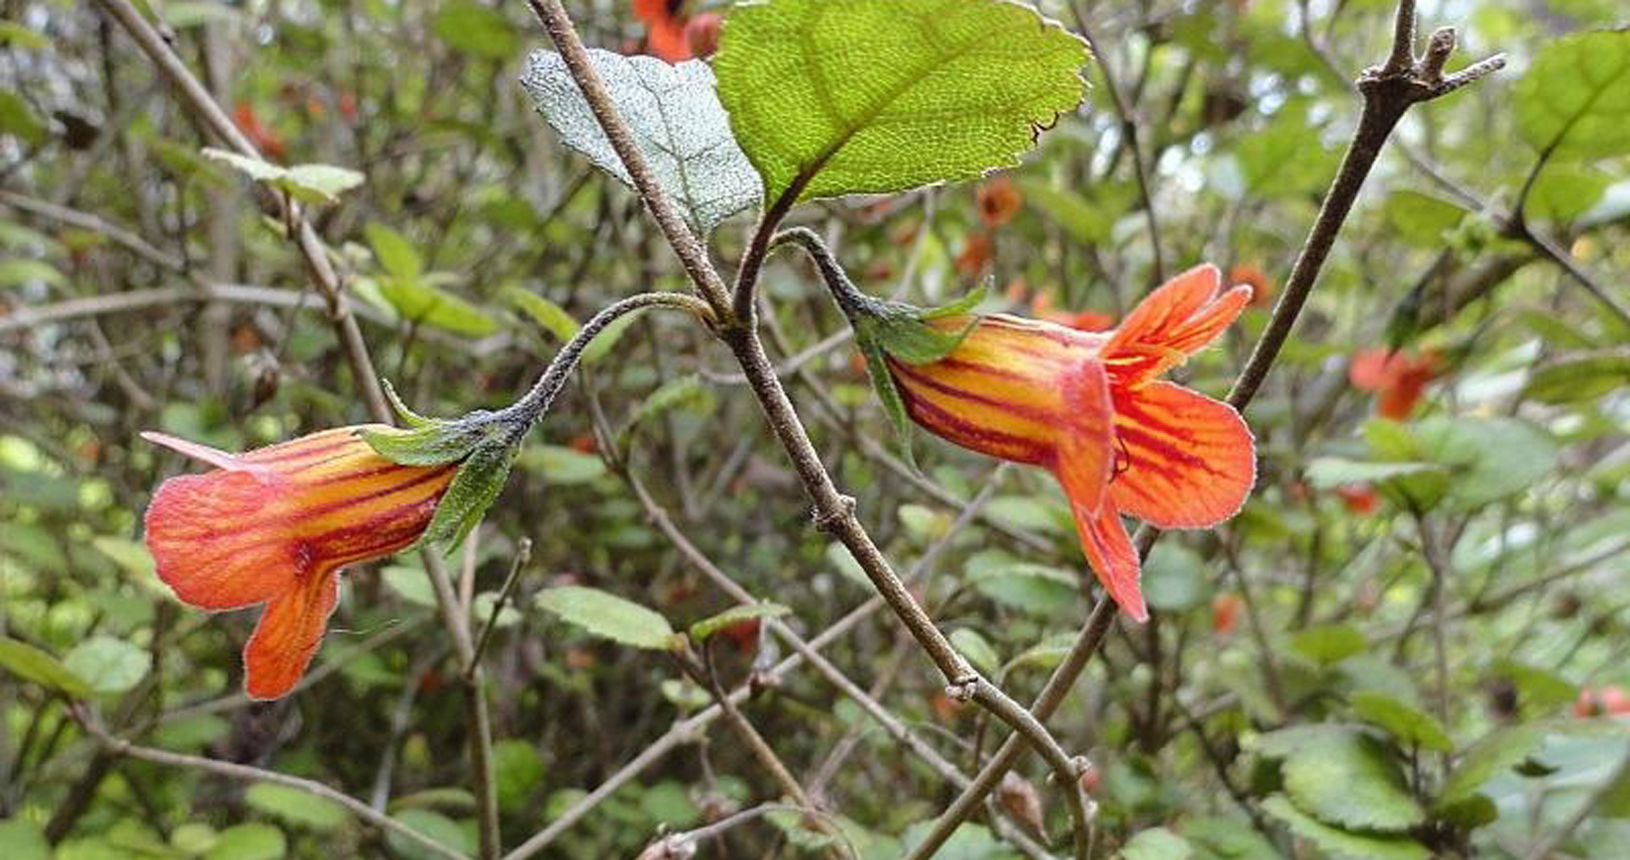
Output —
(962, 689)
(829, 522)
(1437, 53)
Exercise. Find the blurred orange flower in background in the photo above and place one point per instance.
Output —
(1398, 378)
(1262, 290)
(999, 200)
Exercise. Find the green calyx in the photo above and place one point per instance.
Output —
(888, 329)
(483, 443)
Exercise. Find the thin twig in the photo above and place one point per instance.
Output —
(523, 554)
(232, 770)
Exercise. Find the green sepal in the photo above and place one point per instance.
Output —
(894, 406)
(478, 482)
(887, 329)
(440, 441)
(408, 416)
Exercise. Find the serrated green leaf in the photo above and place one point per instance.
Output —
(832, 97)
(676, 120)
(604, 614)
(296, 806)
(107, 664)
(701, 630)
(1574, 100)
(31, 664)
(977, 649)
(395, 253)
(1409, 724)
(549, 316)
(478, 482)
(1343, 843)
(476, 29)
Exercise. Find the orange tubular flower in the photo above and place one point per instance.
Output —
(1089, 408)
(275, 526)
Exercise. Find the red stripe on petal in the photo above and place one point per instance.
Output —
(1192, 459)
(1113, 558)
(195, 530)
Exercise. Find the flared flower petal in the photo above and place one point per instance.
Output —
(1175, 321)
(275, 526)
(287, 636)
(1113, 558)
(1190, 460)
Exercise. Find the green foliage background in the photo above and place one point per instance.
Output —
(1304, 691)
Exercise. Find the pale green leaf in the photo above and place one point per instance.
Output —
(395, 253)
(1328, 643)
(1341, 843)
(701, 630)
(605, 614)
(416, 300)
(252, 841)
(676, 120)
(257, 169)
(1574, 101)
(1404, 721)
(296, 806)
(107, 664)
(432, 825)
(1349, 779)
(31, 664)
(832, 97)
(319, 183)
(977, 649)
(549, 316)
(1157, 843)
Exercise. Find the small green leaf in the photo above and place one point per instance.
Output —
(255, 168)
(1157, 843)
(1488, 458)
(676, 120)
(1573, 99)
(22, 271)
(296, 806)
(1328, 643)
(1224, 838)
(418, 300)
(109, 665)
(1324, 473)
(681, 392)
(249, 842)
(1497, 752)
(518, 772)
(1343, 843)
(563, 466)
(432, 825)
(1421, 219)
(1402, 720)
(395, 253)
(319, 183)
(832, 97)
(31, 664)
(701, 630)
(1580, 378)
(604, 614)
(17, 118)
(549, 316)
(977, 649)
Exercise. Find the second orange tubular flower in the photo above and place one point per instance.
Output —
(1090, 408)
(275, 526)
